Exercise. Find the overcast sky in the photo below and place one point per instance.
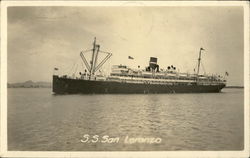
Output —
(41, 38)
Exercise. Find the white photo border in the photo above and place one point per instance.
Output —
(3, 94)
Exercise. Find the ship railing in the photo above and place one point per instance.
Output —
(180, 76)
(156, 77)
(160, 79)
(165, 82)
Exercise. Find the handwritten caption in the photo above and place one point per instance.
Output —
(86, 138)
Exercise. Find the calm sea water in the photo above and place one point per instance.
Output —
(40, 121)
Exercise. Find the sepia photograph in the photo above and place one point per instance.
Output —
(126, 77)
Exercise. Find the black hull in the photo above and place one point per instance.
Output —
(74, 86)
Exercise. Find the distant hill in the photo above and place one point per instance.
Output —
(29, 84)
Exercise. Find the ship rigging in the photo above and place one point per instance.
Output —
(93, 67)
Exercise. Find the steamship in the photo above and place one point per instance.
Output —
(122, 79)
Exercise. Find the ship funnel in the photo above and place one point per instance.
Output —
(153, 60)
(153, 64)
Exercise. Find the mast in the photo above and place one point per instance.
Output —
(96, 57)
(199, 62)
(93, 59)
